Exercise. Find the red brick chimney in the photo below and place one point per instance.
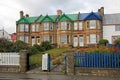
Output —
(21, 14)
(59, 12)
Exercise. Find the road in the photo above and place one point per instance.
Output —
(20, 76)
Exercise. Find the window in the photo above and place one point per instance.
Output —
(46, 26)
(51, 26)
(75, 26)
(33, 28)
(92, 38)
(38, 40)
(22, 38)
(92, 24)
(117, 28)
(80, 26)
(21, 27)
(87, 25)
(37, 28)
(68, 26)
(33, 41)
(63, 39)
(51, 39)
(26, 27)
(98, 38)
(46, 38)
(26, 39)
(68, 39)
(63, 25)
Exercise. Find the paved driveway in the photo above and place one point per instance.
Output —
(19, 76)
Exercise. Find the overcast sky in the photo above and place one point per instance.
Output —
(9, 9)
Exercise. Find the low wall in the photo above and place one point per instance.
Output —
(9, 68)
(97, 71)
(22, 67)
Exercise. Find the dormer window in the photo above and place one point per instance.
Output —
(92, 24)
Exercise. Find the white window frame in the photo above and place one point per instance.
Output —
(38, 40)
(26, 39)
(51, 26)
(33, 28)
(80, 26)
(46, 38)
(63, 25)
(64, 39)
(37, 27)
(33, 41)
(92, 24)
(21, 38)
(21, 27)
(26, 27)
(75, 26)
(92, 38)
(46, 26)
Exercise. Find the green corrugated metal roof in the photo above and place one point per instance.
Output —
(48, 18)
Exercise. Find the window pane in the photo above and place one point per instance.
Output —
(33, 28)
(63, 25)
(22, 38)
(63, 39)
(21, 27)
(75, 26)
(80, 26)
(26, 27)
(33, 41)
(26, 39)
(87, 25)
(46, 38)
(92, 24)
(38, 40)
(46, 26)
(37, 28)
(51, 39)
(92, 38)
(51, 26)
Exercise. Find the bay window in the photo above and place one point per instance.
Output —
(63, 39)
(46, 26)
(63, 25)
(33, 28)
(46, 38)
(75, 26)
(80, 26)
(92, 38)
(92, 24)
(21, 27)
(37, 28)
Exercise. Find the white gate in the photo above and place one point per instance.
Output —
(9, 59)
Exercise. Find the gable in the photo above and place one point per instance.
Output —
(22, 20)
(93, 16)
(64, 18)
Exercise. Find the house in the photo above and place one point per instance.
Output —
(4, 34)
(78, 30)
(13, 37)
(111, 27)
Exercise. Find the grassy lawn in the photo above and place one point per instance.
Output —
(36, 60)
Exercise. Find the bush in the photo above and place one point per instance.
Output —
(117, 41)
(33, 50)
(46, 45)
(103, 42)
(39, 47)
(19, 45)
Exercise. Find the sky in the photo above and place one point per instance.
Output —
(9, 9)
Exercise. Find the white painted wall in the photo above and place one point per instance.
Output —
(109, 31)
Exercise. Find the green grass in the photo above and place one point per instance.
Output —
(36, 59)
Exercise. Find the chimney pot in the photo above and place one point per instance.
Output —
(59, 12)
(27, 15)
(21, 14)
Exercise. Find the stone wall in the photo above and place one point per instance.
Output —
(20, 68)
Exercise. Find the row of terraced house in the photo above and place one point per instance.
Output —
(77, 30)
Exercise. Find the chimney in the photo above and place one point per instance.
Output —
(78, 15)
(101, 11)
(59, 12)
(21, 14)
(27, 15)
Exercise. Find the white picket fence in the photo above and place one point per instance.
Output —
(9, 59)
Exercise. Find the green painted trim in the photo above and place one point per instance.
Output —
(64, 15)
(51, 20)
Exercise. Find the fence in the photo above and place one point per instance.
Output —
(97, 60)
(9, 59)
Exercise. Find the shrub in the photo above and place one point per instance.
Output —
(117, 41)
(46, 45)
(33, 50)
(103, 42)
(39, 47)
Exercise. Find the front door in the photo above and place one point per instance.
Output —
(81, 41)
(75, 42)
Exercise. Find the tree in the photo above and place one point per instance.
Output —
(103, 42)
